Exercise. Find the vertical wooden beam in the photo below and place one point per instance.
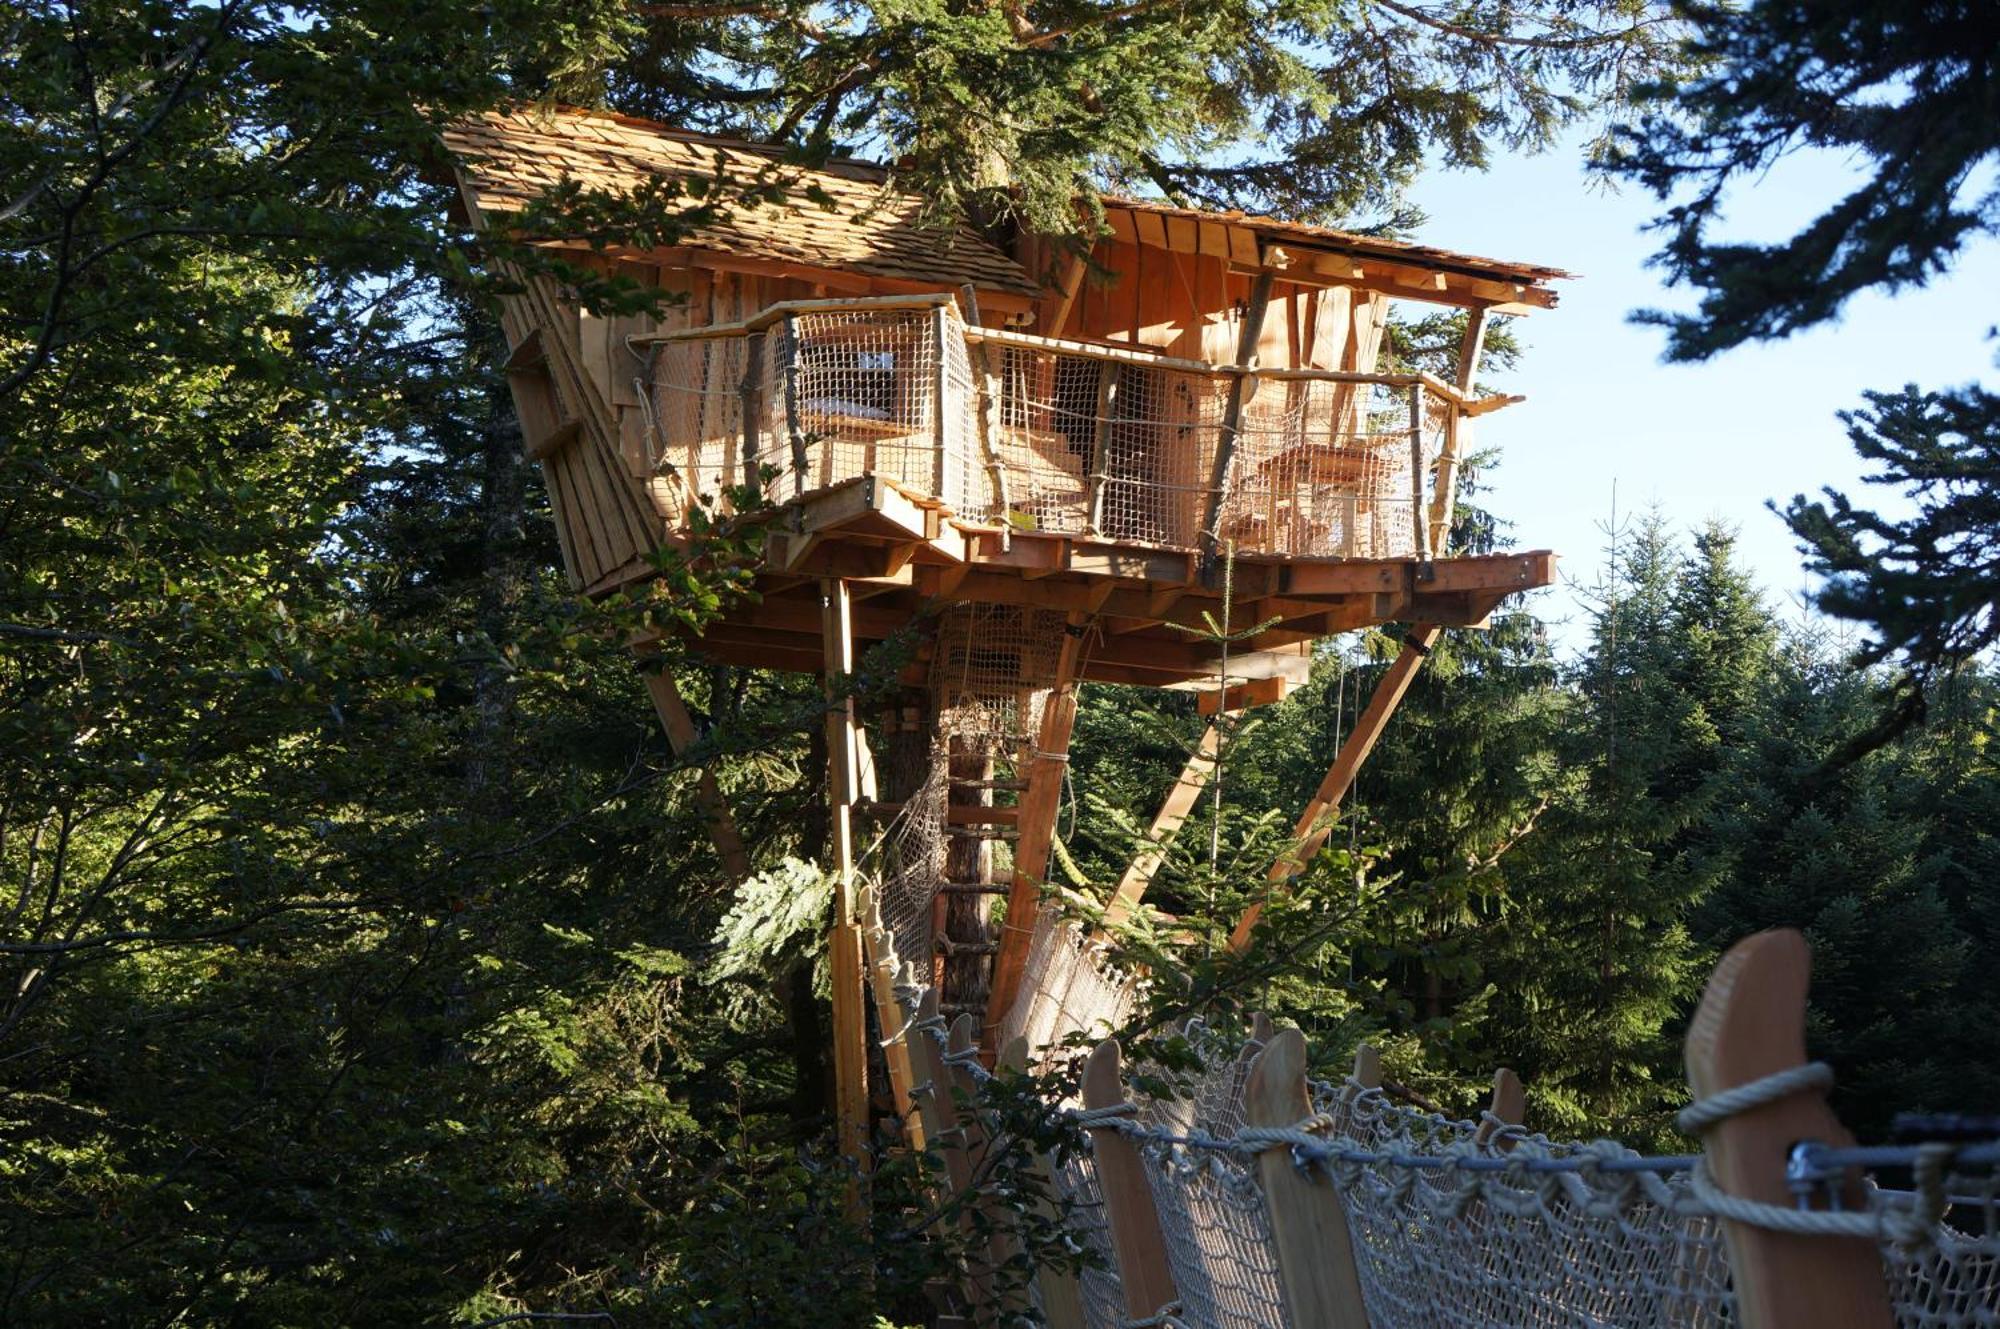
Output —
(843, 739)
(1420, 527)
(1457, 432)
(1100, 442)
(1144, 1277)
(674, 718)
(1035, 824)
(750, 405)
(1750, 1025)
(1308, 1223)
(1232, 418)
(1180, 801)
(1316, 823)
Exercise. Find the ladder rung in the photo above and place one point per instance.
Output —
(983, 832)
(1015, 786)
(882, 811)
(946, 946)
(974, 888)
(978, 814)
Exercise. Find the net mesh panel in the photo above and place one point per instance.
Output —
(1956, 1280)
(1211, 1207)
(913, 862)
(1121, 450)
(1086, 444)
(837, 394)
(696, 438)
(1326, 469)
(1068, 988)
(1443, 1249)
(994, 667)
(1571, 1249)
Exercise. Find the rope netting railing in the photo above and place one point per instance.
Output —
(1043, 434)
(1480, 1222)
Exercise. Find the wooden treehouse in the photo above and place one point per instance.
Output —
(1036, 469)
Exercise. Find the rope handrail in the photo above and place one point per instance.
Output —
(1540, 1158)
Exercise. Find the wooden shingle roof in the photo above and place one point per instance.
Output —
(507, 159)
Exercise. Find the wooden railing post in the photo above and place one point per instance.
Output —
(1144, 1278)
(750, 404)
(933, 1097)
(801, 463)
(1750, 1026)
(1507, 1107)
(1100, 442)
(1420, 526)
(1062, 1291)
(1308, 1223)
(1457, 431)
(1210, 536)
(940, 386)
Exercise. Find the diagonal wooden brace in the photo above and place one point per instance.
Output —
(1036, 825)
(1316, 822)
(674, 718)
(1180, 801)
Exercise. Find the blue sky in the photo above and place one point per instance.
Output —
(1707, 440)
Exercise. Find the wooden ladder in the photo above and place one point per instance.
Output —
(982, 791)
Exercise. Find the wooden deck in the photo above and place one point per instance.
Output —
(904, 558)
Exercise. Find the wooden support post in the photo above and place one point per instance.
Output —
(1308, 1224)
(750, 404)
(1180, 801)
(843, 740)
(940, 385)
(1062, 1291)
(674, 718)
(1367, 1074)
(1507, 1107)
(1751, 1024)
(1420, 528)
(1457, 432)
(794, 434)
(1139, 1246)
(879, 951)
(1036, 825)
(1316, 823)
(1100, 441)
(1232, 417)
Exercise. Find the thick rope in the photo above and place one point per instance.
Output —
(1912, 1226)
(1116, 1116)
(1699, 1116)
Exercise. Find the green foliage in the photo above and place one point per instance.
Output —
(1904, 91)
(779, 917)
(1927, 586)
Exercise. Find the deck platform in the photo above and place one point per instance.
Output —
(904, 558)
